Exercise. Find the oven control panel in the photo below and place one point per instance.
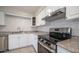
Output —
(48, 44)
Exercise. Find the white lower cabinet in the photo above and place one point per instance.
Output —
(62, 50)
(25, 40)
(34, 42)
(22, 40)
(13, 42)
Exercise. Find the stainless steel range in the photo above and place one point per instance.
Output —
(55, 35)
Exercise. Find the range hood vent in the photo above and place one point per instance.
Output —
(60, 13)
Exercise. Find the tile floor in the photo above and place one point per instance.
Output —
(28, 49)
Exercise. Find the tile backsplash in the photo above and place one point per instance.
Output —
(74, 24)
(16, 24)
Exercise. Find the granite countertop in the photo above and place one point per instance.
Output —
(24, 32)
(71, 45)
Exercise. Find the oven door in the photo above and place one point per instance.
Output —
(42, 49)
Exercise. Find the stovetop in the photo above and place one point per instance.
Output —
(53, 40)
(50, 39)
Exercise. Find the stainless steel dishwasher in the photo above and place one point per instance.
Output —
(3, 42)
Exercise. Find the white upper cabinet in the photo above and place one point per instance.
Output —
(39, 17)
(2, 18)
(72, 12)
(44, 13)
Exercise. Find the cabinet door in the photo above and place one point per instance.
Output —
(24, 40)
(39, 17)
(62, 50)
(34, 41)
(42, 49)
(35, 44)
(33, 21)
(2, 18)
(71, 11)
(13, 41)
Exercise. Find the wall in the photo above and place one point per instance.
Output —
(14, 11)
(58, 23)
(74, 24)
(16, 23)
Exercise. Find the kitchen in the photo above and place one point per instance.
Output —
(27, 29)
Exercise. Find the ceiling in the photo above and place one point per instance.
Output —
(26, 9)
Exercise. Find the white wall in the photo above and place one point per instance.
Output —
(14, 11)
(74, 24)
(16, 23)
